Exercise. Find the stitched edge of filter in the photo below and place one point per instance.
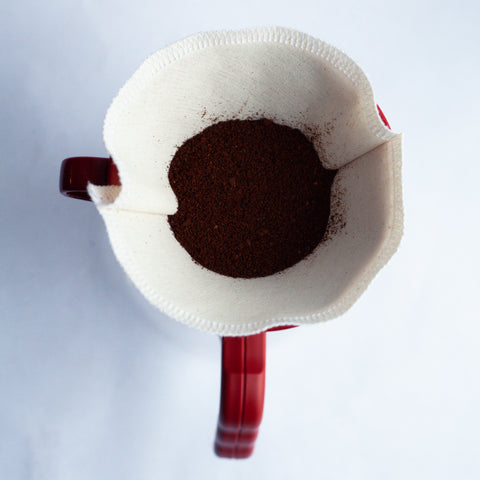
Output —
(304, 42)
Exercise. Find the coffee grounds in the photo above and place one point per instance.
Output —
(253, 197)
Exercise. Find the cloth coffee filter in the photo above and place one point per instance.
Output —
(294, 80)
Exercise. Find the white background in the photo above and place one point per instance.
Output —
(96, 384)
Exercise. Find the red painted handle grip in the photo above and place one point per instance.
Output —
(77, 172)
(242, 395)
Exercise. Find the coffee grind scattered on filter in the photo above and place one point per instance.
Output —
(254, 198)
(297, 81)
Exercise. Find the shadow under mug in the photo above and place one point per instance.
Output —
(243, 358)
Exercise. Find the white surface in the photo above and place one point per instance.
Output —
(92, 388)
(294, 80)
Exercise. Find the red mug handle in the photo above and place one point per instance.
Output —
(243, 358)
(77, 172)
(242, 394)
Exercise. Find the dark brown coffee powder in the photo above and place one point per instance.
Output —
(253, 197)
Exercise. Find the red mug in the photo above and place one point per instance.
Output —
(243, 358)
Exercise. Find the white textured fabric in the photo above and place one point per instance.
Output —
(105, 195)
(292, 79)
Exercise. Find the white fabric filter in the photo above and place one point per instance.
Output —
(294, 80)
